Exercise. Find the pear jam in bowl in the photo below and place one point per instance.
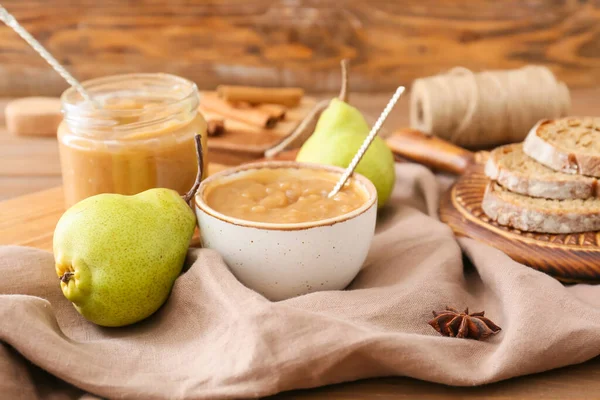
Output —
(279, 232)
(140, 137)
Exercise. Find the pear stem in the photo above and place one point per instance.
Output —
(200, 158)
(66, 277)
(343, 96)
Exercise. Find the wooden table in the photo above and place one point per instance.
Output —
(30, 174)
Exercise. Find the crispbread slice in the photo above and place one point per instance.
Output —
(516, 171)
(540, 215)
(570, 145)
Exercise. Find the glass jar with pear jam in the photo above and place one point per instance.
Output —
(141, 136)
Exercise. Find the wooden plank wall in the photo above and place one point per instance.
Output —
(298, 42)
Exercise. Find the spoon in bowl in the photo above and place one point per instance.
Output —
(367, 142)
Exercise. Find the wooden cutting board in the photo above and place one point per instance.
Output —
(569, 258)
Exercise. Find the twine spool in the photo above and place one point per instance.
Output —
(485, 109)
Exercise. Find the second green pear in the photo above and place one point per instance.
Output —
(339, 133)
(118, 256)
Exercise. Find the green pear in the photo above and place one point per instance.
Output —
(118, 256)
(339, 133)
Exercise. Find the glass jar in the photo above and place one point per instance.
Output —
(142, 137)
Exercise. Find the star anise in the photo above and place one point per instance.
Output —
(463, 325)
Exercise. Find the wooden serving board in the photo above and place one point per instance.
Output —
(243, 142)
(568, 258)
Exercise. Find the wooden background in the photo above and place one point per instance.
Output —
(298, 42)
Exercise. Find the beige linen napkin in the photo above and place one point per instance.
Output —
(216, 339)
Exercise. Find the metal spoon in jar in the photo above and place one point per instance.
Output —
(10, 21)
(369, 139)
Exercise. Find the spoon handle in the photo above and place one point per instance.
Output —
(369, 139)
(10, 21)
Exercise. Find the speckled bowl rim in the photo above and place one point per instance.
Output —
(201, 205)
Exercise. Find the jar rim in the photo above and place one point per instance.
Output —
(71, 93)
(80, 113)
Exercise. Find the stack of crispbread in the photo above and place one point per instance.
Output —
(548, 183)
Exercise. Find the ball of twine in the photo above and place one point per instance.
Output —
(485, 109)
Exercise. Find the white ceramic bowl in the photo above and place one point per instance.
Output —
(286, 260)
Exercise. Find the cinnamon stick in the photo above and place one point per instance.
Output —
(230, 124)
(215, 127)
(254, 116)
(289, 97)
(275, 110)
